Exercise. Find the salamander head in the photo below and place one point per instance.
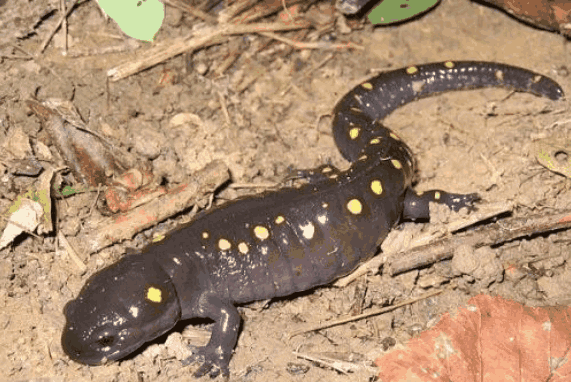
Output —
(119, 309)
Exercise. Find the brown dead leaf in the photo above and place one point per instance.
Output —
(492, 339)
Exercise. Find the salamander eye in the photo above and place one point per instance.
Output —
(106, 341)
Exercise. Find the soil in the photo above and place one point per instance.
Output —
(471, 141)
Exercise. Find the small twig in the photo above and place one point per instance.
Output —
(319, 64)
(15, 57)
(162, 53)
(253, 185)
(335, 364)
(358, 317)
(264, 27)
(445, 245)
(298, 36)
(224, 108)
(64, 26)
(56, 27)
(211, 37)
(71, 253)
(192, 10)
(262, 10)
(286, 10)
(237, 7)
(500, 232)
(226, 63)
(113, 229)
(97, 196)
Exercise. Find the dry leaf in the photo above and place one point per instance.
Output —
(492, 339)
(26, 217)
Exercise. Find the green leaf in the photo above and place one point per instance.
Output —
(394, 11)
(140, 19)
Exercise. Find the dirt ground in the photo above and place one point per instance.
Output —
(472, 141)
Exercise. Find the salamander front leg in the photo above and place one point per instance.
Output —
(317, 175)
(417, 206)
(215, 356)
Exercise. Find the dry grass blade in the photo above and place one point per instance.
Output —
(373, 312)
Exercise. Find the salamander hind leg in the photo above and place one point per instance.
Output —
(416, 206)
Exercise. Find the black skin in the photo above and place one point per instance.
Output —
(279, 243)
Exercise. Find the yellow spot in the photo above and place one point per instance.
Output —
(261, 233)
(396, 164)
(355, 206)
(354, 133)
(356, 110)
(411, 70)
(374, 141)
(499, 75)
(224, 245)
(325, 205)
(437, 195)
(363, 157)
(367, 86)
(243, 248)
(325, 170)
(205, 235)
(279, 219)
(377, 187)
(394, 136)
(537, 78)
(449, 64)
(154, 295)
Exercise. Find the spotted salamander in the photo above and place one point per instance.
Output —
(278, 243)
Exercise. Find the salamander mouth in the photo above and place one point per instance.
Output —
(77, 351)
(95, 353)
